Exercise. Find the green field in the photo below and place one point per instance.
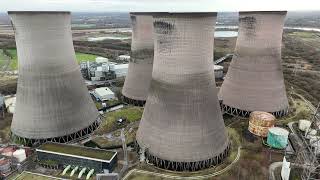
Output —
(30, 176)
(81, 57)
(109, 124)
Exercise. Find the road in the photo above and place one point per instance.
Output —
(184, 177)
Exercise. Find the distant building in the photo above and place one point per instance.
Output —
(120, 70)
(10, 103)
(124, 57)
(218, 71)
(104, 94)
(102, 60)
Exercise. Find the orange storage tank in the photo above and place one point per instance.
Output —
(260, 122)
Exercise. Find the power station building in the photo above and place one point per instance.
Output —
(137, 83)
(254, 81)
(182, 126)
(53, 103)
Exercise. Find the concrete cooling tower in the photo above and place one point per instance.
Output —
(53, 103)
(137, 83)
(182, 126)
(254, 81)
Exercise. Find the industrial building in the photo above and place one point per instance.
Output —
(77, 157)
(182, 126)
(52, 100)
(137, 83)
(254, 81)
(103, 94)
(102, 70)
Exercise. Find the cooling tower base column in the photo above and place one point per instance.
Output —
(133, 101)
(64, 139)
(188, 166)
(242, 113)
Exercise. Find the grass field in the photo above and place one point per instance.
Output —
(109, 124)
(30, 176)
(81, 57)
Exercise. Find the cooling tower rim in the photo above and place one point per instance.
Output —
(263, 12)
(140, 13)
(184, 14)
(39, 12)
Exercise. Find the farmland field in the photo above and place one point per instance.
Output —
(81, 57)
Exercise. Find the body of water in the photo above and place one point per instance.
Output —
(107, 37)
(225, 34)
(286, 27)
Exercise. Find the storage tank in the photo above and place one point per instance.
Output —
(5, 165)
(278, 138)
(254, 81)
(304, 124)
(53, 103)
(260, 122)
(137, 82)
(182, 128)
(20, 155)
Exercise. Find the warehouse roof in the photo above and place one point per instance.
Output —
(103, 91)
(78, 151)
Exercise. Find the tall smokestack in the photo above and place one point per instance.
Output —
(137, 83)
(182, 126)
(254, 81)
(53, 102)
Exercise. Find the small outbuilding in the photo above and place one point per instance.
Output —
(104, 94)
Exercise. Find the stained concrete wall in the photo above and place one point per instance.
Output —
(52, 99)
(182, 120)
(138, 79)
(254, 81)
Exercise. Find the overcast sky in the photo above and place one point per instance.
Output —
(158, 5)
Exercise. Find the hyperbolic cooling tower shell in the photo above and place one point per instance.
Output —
(52, 100)
(137, 83)
(182, 126)
(254, 81)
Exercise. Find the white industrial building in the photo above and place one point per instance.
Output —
(102, 60)
(120, 70)
(218, 71)
(104, 94)
(124, 57)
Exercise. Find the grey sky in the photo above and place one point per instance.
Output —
(158, 5)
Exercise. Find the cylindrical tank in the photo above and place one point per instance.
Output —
(254, 81)
(53, 102)
(20, 155)
(5, 165)
(182, 126)
(304, 124)
(137, 83)
(260, 122)
(278, 137)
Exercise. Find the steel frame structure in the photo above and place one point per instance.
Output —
(242, 113)
(63, 139)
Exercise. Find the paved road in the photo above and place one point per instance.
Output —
(188, 178)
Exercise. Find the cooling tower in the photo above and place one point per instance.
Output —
(53, 102)
(182, 126)
(254, 81)
(137, 83)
